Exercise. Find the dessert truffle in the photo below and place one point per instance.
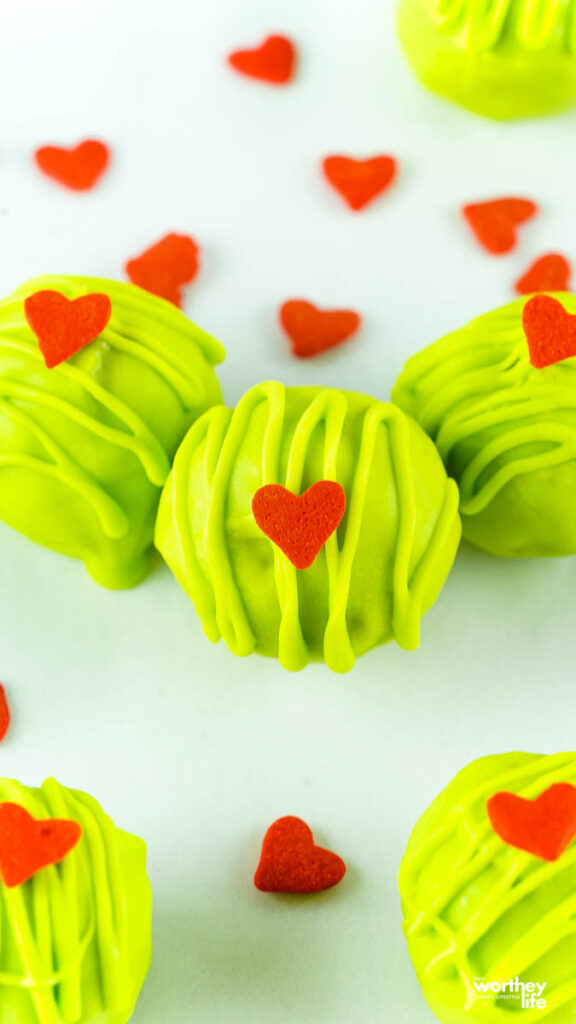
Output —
(86, 445)
(75, 907)
(487, 886)
(499, 399)
(383, 562)
(504, 60)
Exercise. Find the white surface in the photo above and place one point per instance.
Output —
(120, 694)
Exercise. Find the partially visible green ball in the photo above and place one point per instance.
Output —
(506, 432)
(85, 447)
(479, 913)
(75, 940)
(374, 578)
(504, 60)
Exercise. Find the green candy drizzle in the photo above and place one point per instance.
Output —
(194, 527)
(533, 25)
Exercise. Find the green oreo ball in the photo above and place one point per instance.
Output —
(86, 447)
(489, 925)
(506, 432)
(375, 576)
(75, 941)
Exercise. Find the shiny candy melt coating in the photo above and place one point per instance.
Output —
(477, 908)
(506, 432)
(501, 58)
(376, 575)
(86, 447)
(75, 942)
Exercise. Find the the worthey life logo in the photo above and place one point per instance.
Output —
(529, 992)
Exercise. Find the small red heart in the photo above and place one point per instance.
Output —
(78, 168)
(27, 845)
(301, 524)
(312, 330)
(550, 331)
(359, 181)
(544, 827)
(64, 326)
(273, 61)
(4, 713)
(550, 273)
(290, 862)
(165, 267)
(494, 222)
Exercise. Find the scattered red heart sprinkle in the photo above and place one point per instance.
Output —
(4, 713)
(494, 222)
(27, 845)
(544, 827)
(165, 267)
(359, 181)
(272, 62)
(550, 273)
(312, 330)
(64, 326)
(550, 331)
(299, 525)
(78, 168)
(290, 862)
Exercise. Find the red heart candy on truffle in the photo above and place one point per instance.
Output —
(290, 862)
(27, 845)
(550, 273)
(312, 330)
(359, 181)
(64, 326)
(78, 168)
(550, 331)
(544, 827)
(272, 62)
(165, 267)
(299, 525)
(494, 222)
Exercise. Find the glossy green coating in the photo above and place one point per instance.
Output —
(86, 447)
(376, 575)
(75, 940)
(479, 912)
(500, 58)
(505, 430)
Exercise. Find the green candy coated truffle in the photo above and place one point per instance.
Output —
(85, 448)
(479, 913)
(500, 58)
(374, 578)
(506, 432)
(75, 940)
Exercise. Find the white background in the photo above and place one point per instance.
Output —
(120, 693)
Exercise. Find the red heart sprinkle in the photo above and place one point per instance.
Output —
(494, 222)
(312, 330)
(550, 331)
(290, 862)
(27, 845)
(78, 168)
(299, 525)
(360, 181)
(4, 713)
(165, 266)
(64, 326)
(544, 827)
(273, 61)
(550, 273)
